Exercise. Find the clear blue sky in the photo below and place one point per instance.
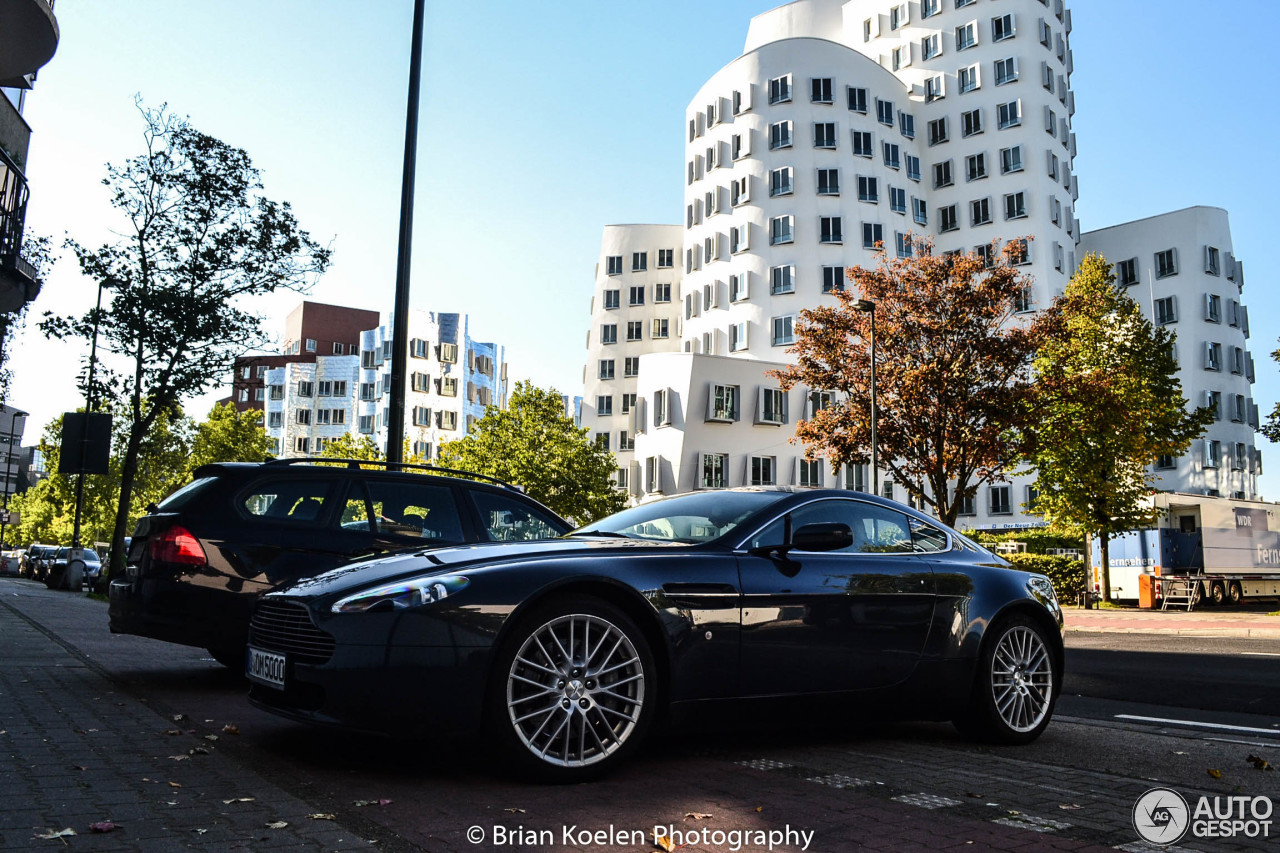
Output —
(540, 127)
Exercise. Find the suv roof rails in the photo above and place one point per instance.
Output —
(359, 463)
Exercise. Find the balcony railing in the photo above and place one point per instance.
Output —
(18, 283)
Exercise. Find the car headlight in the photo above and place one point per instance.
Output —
(404, 594)
(1042, 587)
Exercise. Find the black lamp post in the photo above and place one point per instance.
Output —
(90, 405)
(8, 468)
(870, 307)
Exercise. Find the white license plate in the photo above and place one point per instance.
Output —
(265, 667)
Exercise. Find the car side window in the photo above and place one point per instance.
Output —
(506, 519)
(925, 538)
(876, 530)
(420, 510)
(301, 500)
(355, 510)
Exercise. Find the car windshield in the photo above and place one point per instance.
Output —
(696, 517)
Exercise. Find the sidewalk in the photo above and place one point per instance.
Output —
(76, 751)
(1197, 623)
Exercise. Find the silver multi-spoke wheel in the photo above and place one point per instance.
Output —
(575, 690)
(1021, 679)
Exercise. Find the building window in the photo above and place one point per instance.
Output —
(1015, 206)
(872, 235)
(868, 189)
(1018, 251)
(610, 299)
(449, 353)
(275, 420)
(966, 35)
(780, 89)
(613, 265)
(884, 112)
(421, 416)
(779, 135)
(897, 200)
(763, 471)
(1127, 272)
(662, 292)
(967, 78)
(938, 131)
(781, 230)
(1022, 302)
(604, 406)
(1212, 262)
(931, 46)
(980, 211)
(449, 384)
(244, 395)
(738, 337)
(913, 168)
(606, 368)
(782, 279)
(634, 330)
(862, 143)
(302, 416)
(1212, 454)
(302, 445)
(919, 211)
(306, 389)
(1011, 159)
(365, 423)
(975, 166)
(1166, 263)
(820, 90)
(934, 89)
(661, 328)
(1006, 70)
(666, 258)
(971, 123)
(639, 261)
(738, 242)
(1212, 356)
(828, 182)
(608, 335)
(900, 56)
(857, 99)
(259, 394)
(723, 403)
(740, 190)
(1000, 500)
(311, 345)
(784, 330)
(907, 124)
(780, 181)
(903, 244)
(947, 219)
(1213, 308)
(448, 420)
(809, 473)
(738, 288)
(824, 134)
(830, 229)
(892, 155)
(631, 367)
(1002, 27)
(832, 279)
(1009, 114)
(636, 295)
(942, 174)
(1166, 310)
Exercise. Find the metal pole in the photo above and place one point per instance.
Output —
(90, 404)
(8, 472)
(400, 315)
(875, 451)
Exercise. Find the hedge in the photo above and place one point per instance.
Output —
(1067, 574)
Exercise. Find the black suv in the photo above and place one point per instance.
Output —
(199, 561)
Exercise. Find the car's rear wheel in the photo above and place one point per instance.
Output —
(1016, 685)
(573, 690)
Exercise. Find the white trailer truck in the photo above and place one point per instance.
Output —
(1230, 548)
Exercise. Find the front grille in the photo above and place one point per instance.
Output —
(285, 626)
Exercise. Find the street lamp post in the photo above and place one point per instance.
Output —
(90, 405)
(8, 470)
(870, 307)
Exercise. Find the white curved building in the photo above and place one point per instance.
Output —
(844, 126)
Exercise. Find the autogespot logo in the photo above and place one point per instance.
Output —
(1161, 816)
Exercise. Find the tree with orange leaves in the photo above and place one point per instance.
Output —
(952, 369)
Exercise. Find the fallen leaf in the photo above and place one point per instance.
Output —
(697, 815)
(277, 824)
(759, 808)
(50, 834)
(175, 784)
(516, 811)
(1070, 806)
(1180, 752)
(238, 800)
(177, 718)
(178, 757)
(1217, 774)
(663, 842)
(199, 831)
(198, 750)
(322, 816)
(103, 826)
(231, 729)
(172, 732)
(210, 737)
(1259, 763)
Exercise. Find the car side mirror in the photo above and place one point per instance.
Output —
(826, 536)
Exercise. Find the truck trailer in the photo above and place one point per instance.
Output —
(1208, 548)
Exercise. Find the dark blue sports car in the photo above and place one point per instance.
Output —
(566, 650)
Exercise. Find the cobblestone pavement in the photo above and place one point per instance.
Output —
(87, 734)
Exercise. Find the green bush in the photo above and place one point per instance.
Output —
(1038, 539)
(1067, 574)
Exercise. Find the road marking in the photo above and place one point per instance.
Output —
(1197, 723)
(1261, 743)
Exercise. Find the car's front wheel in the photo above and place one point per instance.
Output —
(1016, 685)
(573, 690)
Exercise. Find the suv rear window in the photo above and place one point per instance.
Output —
(302, 499)
(183, 496)
(506, 519)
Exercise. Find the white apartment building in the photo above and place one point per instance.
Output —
(634, 311)
(452, 378)
(844, 126)
(1180, 268)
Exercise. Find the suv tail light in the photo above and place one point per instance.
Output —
(177, 545)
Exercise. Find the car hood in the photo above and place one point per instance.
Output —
(438, 561)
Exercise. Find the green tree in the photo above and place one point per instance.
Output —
(534, 444)
(1271, 429)
(230, 436)
(197, 240)
(1107, 403)
(950, 371)
(349, 446)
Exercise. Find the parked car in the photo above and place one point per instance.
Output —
(37, 560)
(57, 564)
(11, 561)
(198, 562)
(567, 650)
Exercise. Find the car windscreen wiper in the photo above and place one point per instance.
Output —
(609, 533)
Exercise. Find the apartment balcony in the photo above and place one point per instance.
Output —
(18, 283)
(28, 39)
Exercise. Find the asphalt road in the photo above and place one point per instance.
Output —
(892, 785)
